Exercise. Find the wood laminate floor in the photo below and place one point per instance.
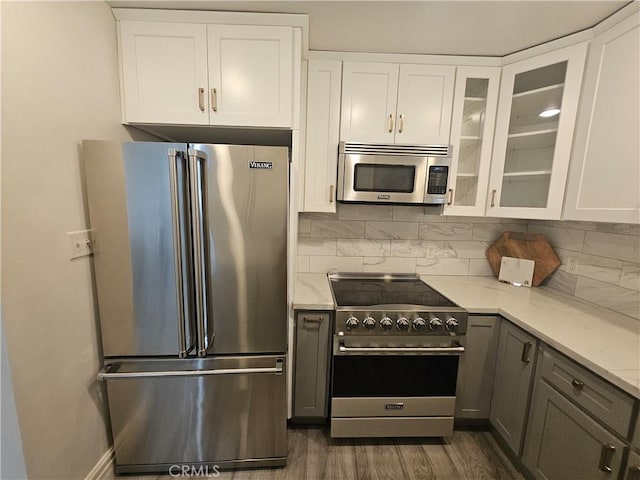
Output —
(313, 455)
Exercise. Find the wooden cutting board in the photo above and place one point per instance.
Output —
(532, 246)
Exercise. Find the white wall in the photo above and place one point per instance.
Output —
(11, 456)
(59, 85)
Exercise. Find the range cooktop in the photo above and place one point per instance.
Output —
(392, 304)
(361, 290)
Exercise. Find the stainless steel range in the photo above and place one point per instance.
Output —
(397, 344)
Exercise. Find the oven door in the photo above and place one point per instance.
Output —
(391, 391)
(381, 178)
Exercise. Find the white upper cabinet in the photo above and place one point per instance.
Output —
(534, 131)
(164, 72)
(369, 97)
(472, 126)
(197, 74)
(604, 180)
(322, 132)
(250, 75)
(425, 98)
(392, 103)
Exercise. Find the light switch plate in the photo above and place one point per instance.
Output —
(79, 244)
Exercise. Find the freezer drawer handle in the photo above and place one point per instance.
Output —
(432, 350)
(108, 375)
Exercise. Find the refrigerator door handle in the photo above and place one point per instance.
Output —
(175, 157)
(109, 374)
(196, 159)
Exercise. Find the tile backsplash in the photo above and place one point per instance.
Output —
(607, 262)
(414, 239)
(402, 239)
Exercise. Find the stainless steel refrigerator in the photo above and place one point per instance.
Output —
(190, 269)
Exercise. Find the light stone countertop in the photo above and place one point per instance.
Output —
(606, 342)
(312, 292)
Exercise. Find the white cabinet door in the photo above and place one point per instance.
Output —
(164, 72)
(531, 152)
(425, 98)
(604, 180)
(250, 75)
(369, 97)
(472, 126)
(322, 133)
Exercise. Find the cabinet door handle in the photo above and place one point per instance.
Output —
(493, 198)
(214, 99)
(606, 456)
(526, 348)
(577, 384)
(313, 319)
(331, 189)
(450, 196)
(634, 473)
(201, 99)
(391, 123)
(401, 123)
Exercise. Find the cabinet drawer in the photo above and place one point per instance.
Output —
(635, 443)
(611, 406)
(633, 467)
(565, 443)
(311, 360)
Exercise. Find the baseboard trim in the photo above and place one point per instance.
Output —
(103, 470)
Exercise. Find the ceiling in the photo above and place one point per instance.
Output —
(492, 28)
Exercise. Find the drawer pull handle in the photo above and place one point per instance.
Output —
(313, 319)
(331, 195)
(450, 197)
(577, 384)
(606, 456)
(526, 348)
(390, 123)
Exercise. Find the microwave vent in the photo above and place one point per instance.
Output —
(393, 149)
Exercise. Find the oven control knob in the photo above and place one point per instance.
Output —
(386, 323)
(451, 324)
(369, 323)
(352, 322)
(402, 323)
(419, 323)
(435, 323)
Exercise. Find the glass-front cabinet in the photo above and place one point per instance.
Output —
(534, 131)
(472, 128)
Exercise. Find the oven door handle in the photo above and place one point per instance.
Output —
(426, 350)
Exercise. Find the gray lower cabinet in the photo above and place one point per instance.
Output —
(633, 467)
(477, 368)
(514, 370)
(311, 364)
(565, 443)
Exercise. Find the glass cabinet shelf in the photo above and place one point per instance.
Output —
(536, 139)
(527, 174)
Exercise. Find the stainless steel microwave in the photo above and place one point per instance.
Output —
(378, 173)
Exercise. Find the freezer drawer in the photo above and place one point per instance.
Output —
(223, 411)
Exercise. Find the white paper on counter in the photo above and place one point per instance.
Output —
(516, 271)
